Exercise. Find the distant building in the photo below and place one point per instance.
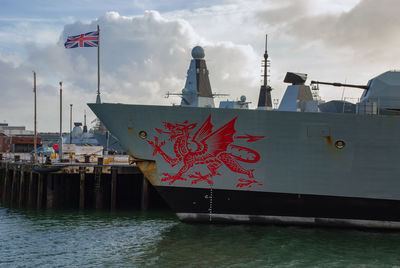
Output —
(16, 139)
(5, 145)
(14, 130)
(18, 144)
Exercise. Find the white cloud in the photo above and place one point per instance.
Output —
(142, 57)
(40, 33)
(353, 44)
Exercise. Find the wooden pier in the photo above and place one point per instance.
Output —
(76, 186)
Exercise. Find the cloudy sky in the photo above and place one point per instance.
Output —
(146, 45)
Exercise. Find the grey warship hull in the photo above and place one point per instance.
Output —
(256, 166)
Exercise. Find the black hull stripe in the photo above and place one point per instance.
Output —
(199, 204)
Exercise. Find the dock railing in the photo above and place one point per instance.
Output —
(71, 159)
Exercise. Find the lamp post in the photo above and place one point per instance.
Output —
(70, 124)
(60, 145)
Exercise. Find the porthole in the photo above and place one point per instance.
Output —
(143, 134)
(339, 144)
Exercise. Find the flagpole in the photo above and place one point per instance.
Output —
(35, 138)
(98, 100)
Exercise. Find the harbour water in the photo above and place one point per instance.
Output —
(30, 238)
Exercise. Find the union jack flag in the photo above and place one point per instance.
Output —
(90, 39)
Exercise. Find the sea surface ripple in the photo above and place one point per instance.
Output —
(30, 238)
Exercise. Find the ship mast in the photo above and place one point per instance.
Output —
(264, 99)
(84, 122)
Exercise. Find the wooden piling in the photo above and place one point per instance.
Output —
(14, 186)
(59, 191)
(114, 173)
(81, 188)
(50, 191)
(21, 199)
(98, 193)
(2, 173)
(30, 190)
(144, 203)
(6, 186)
(39, 199)
(68, 190)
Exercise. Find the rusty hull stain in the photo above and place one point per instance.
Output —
(132, 127)
(132, 159)
(329, 140)
(149, 169)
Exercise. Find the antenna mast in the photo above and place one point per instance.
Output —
(266, 61)
(264, 99)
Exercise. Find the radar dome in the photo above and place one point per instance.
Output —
(243, 98)
(198, 52)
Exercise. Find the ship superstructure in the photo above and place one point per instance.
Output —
(197, 91)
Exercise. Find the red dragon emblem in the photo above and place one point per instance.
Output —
(206, 147)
